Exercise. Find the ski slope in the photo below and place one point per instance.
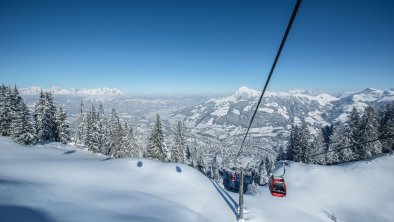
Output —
(55, 183)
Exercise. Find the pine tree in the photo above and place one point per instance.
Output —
(2, 108)
(92, 141)
(215, 168)
(354, 124)
(369, 131)
(386, 128)
(318, 154)
(342, 137)
(6, 115)
(23, 132)
(128, 145)
(15, 107)
(201, 165)
(103, 130)
(80, 134)
(63, 126)
(292, 144)
(263, 174)
(178, 149)
(44, 117)
(298, 146)
(156, 148)
(115, 133)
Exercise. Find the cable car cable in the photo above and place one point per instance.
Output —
(354, 145)
(272, 70)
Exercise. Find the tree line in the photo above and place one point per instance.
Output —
(47, 123)
(362, 136)
(95, 131)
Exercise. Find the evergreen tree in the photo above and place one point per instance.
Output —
(156, 148)
(201, 165)
(44, 117)
(2, 108)
(115, 133)
(92, 141)
(215, 169)
(23, 132)
(80, 134)
(319, 150)
(129, 146)
(15, 107)
(332, 156)
(386, 128)
(298, 146)
(354, 124)
(6, 115)
(178, 149)
(327, 131)
(263, 174)
(342, 137)
(63, 126)
(103, 130)
(369, 131)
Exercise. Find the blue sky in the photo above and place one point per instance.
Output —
(196, 46)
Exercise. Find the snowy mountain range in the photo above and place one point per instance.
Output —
(35, 90)
(223, 120)
(229, 116)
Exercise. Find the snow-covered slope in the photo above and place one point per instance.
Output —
(360, 101)
(34, 90)
(57, 183)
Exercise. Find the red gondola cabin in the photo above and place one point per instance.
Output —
(277, 186)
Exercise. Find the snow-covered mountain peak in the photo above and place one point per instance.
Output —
(105, 91)
(246, 93)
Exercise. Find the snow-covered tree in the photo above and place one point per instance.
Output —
(128, 146)
(81, 127)
(44, 117)
(102, 130)
(319, 150)
(92, 140)
(179, 147)
(263, 174)
(369, 131)
(298, 146)
(6, 112)
(23, 131)
(115, 133)
(341, 138)
(63, 126)
(156, 148)
(354, 124)
(386, 129)
(201, 164)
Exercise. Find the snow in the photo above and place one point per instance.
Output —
(53, 182)
(59, 183)
(221, 111)
(266, 110)
(105, 91)
(235, 111)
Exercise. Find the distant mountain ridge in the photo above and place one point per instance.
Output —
(229, 116)
(105, 91)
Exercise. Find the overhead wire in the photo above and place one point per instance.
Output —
(354, 145)
(271, 71)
